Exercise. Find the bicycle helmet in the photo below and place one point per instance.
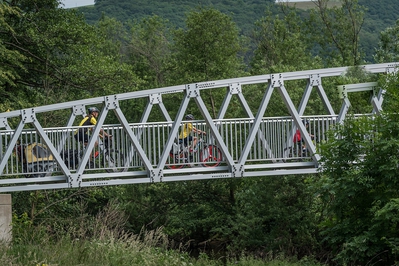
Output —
(190, 117)
(93, 109)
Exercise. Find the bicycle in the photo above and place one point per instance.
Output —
(209, 155)
(298, 151)
(111, 160)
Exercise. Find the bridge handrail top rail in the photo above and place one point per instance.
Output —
(170, 123)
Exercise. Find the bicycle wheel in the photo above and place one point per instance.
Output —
(41, 170)
(114, 162)
(211, 156)
(36, 170)
(294, 154)
(175, 161)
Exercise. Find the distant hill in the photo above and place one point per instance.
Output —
(243, 12)
(305, 5)
(380, 14)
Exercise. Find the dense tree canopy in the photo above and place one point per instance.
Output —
(53, 55)
(378, 15)
(359, 187)
(388, 48)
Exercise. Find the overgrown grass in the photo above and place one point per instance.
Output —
(121, 252)
(103, 242)
(87, 253)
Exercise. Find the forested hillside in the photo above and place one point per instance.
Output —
(378, 14)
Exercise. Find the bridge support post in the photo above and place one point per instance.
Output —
(5, 218)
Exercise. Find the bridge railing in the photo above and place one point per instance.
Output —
(273, 143)
(274, 138)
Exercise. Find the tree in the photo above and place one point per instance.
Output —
(281, 44)
(336, 30)
(148, 50)
(64, 58)
(274, 215)
(208, 49)
(388, 47)
(359, 187)
(10, 61)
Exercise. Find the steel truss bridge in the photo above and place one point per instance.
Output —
(35, 157)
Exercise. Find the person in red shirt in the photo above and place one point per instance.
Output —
(298, 141)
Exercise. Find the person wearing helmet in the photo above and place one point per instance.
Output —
(185, 134)
(82, 134)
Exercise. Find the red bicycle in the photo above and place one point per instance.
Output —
(204, 154)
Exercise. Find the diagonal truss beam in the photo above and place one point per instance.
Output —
(155, 173)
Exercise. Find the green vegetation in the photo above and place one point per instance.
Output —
(102, 240)
(378, 14)
(345, 215)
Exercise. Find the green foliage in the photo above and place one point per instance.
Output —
(253, 216)
(388, 47)
(337, 31)
(207, 50)
(24, 231)
(191, 212)
(100, 243)
(127, 252)
(8, 56)
(378, 15)
(274, 216)
(148, 50)
(282, 44)
(359, 186)
(245, 12)
(64, 58)
(391, 97)
(359, 190)
(205, 208)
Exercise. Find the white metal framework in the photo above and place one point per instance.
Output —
(34, 157)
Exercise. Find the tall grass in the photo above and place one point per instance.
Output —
(102, 242)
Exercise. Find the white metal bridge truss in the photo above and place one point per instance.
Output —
(34, 157)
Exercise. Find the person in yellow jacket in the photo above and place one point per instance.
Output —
(185, 134)
(82, 134)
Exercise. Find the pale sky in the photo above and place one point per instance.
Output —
(76, 3)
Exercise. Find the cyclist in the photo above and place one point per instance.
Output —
(298, 141)
(185, 134)
(82, 134)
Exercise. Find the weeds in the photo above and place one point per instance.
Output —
(102, 241)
